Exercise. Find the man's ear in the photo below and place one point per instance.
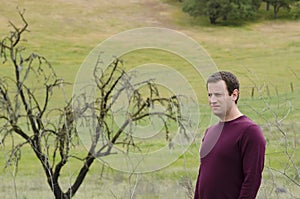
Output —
(235, 94)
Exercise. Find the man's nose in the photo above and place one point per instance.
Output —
(212, 98)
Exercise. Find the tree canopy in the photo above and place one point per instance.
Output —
(217, 10)
(221, 9)
(278, 4)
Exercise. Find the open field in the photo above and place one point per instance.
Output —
(265, 56)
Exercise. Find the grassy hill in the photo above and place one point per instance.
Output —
(264, 54)
(66, 31)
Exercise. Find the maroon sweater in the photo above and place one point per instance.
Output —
(232, 160)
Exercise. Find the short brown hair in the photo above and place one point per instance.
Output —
(230, 80)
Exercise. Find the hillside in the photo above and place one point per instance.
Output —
(66, 31)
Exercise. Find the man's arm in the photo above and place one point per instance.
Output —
(196, 193)
(253, 147)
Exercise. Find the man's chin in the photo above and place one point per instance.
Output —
(218, 114)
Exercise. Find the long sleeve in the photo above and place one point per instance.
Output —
(253, 147)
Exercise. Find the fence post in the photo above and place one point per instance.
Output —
(268, 91)
(292, 87)
(252, 92)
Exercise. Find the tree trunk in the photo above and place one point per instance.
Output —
(213, 20)
(61, 196)
(54, 184)
(276, 8)
(80, 178)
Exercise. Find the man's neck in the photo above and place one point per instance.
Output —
(232, 115)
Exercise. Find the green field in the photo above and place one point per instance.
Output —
(263, 54)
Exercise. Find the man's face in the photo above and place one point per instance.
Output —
(219, 100)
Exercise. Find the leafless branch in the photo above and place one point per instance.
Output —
(25, 111)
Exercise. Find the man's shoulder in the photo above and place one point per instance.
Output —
(246, 121)
(252, 130)
(245, 125)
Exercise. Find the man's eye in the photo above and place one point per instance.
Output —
(218, 94)
(209, 94)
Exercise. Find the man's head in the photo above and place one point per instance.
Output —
(230, 80)
(223, 94)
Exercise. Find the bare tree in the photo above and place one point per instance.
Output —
(27, 111)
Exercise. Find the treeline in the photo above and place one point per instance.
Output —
(223, 10)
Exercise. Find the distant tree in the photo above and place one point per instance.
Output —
(295, 11)
(241, 9)
(221, 9)
(194, 8)
(267, 6)
(278, 4)
(28, 113)
(256, 4)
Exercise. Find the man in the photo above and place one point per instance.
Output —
(232, 151)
